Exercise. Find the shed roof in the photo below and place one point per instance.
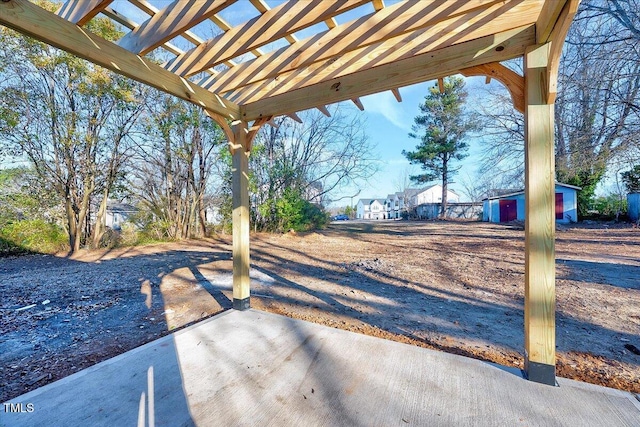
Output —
(517, 193)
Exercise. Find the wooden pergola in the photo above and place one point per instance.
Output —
(242, 86)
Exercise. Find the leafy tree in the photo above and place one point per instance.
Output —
(350, 211)
(441, 128)
(70, 119)
(631, 179)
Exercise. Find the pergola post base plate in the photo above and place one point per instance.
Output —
(540, 372)
(242, 304)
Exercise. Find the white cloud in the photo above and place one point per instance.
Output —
(385, 104)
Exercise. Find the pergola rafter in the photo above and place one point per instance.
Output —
(385, 67)
(405, 25)
(171, 21)
(80, 12)
(259, 69)
(272, 25)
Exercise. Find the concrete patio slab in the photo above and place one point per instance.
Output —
(258, 369)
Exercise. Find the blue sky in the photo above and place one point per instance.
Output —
(388, 126)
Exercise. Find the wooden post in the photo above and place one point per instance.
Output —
(539, 300)
(240, 170)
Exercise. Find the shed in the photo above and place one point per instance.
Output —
(511, 206)
(633, 202)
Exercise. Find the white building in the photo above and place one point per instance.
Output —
(433, 194)
(371, 209)
(396, 204)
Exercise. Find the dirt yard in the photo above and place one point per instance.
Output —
(451, 286)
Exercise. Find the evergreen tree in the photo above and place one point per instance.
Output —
(441, 128)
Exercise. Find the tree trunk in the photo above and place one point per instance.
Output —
(99, 227)
(443, 206)
(72, 224)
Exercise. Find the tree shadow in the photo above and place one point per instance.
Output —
(604, 273)
(83, 312)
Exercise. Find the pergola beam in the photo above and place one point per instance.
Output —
(513, 81)
(80, 12)
(29, 19)
(547, 19)
(395, 73)
(395, 27)
(423, 42)
(169, 22)
(271, 25)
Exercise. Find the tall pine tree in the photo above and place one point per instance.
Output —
(441, 128)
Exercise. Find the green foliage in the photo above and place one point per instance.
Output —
(70, 119)
(441, 128)
(350, 211)
(32, 236)
(588, 180)
(631, 179)
(22, 197)
(608, 207)
(294, 212)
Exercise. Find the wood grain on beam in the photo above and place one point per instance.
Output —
(547, 19)
(171, 21)
(399, 48)
(271, 25)
(29, 19)
(513, 81)
(80, 12)
(539, 304)
(423, 66)
(397, 27)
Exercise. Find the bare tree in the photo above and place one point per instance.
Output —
(597, 114)
(312, 159)
(174, 166)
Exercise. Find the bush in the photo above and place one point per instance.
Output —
(296, 213)
(607, 208)
(32, 236)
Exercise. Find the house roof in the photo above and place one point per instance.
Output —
(518, 192)
(369, 201)
(121, 207)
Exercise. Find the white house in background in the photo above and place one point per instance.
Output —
(118, 213)
(511, 207)
(371, 209)
(433, 194)
(403, 201)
